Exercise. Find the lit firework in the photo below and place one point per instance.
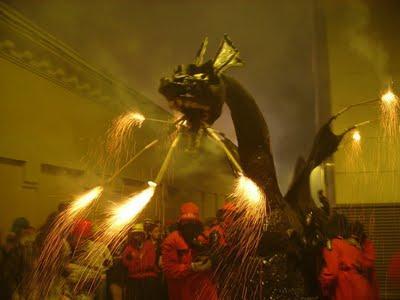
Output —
(237, 268)
(124, 214)
(53, 248)
(118, 143)
(390, 111)
(356, 136)
(247, 190)
(83, 201)
(116, 226)
(111, 234)
(353, 150)
(252, 208)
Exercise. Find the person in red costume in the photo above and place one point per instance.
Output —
(367, 263)
(394, 270)
(342, 277)
(139, 257)
(187, 272)
(216, 235)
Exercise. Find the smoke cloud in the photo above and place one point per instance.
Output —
(139, 42)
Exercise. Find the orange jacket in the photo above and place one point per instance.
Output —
(183, 282)
(368, 262)
(341, 278)
(141, 263)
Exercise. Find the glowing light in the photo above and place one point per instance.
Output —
(247, 189)
(137, 118)
(118, 144)
(84, 200)
(247, 222)
(125, 213)
(389, 97)
(390, 110)
(356, 136)
(152, 183)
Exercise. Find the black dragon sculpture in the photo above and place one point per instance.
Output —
(294, 233)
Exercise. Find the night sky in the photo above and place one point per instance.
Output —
(139, 42)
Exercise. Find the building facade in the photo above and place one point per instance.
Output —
(357, 60)
(55, 112)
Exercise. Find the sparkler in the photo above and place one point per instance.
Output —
(124, 214)
(353, 156)
(118, 145)
(237, 267)
(49, 263)
(390, 110)
(111, 234)
(84, 201)
(356, 136)
(389, 97)
(120, 217)
(247, 190)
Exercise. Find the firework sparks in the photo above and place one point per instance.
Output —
(123, 214)
(133, 119)
(356, 136)
(116, 225)
(389, 97)
(118, 146)
(390, 110)
(112, 232)
(84, 201)
(248, 190)
(49, 261)
(248, 219)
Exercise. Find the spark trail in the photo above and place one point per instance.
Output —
(114, 229)
(49, 263)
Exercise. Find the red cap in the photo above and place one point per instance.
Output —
(83, 229)
(189, 212)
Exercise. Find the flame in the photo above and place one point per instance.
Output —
(389, 97)
(248, 190)
(84, 200)
(118, 145)
(136, 118)
(246, 224)
(125, 213)
(356, 136)
(390, 109)
(48, 261)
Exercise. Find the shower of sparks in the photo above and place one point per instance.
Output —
(50, 259)
(390, 110)
(352, 150)
(118, 143)
(132, 119)
(112, 232)
(83, 201)
(249, 191)
(125, 213)
(356, 136)
(239, 266)
(389, 97)
(114, 229)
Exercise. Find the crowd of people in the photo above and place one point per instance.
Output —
(169, 262)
